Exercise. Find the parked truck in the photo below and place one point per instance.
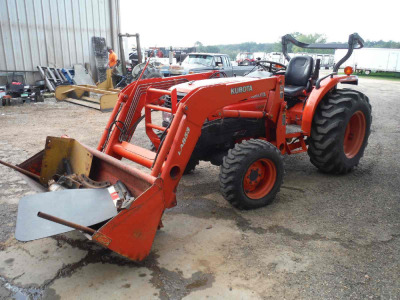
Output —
(205, 62)
(369, 60)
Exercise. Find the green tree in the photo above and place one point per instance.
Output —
(316, 38)
(212, 49)
(381, 44)
(199, 47)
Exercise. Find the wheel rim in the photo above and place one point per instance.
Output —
(259, 179)
(354, 134)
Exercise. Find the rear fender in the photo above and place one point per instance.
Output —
(315, 98)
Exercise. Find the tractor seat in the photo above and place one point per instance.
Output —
(298, 74)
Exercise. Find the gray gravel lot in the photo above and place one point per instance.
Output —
(325, 236)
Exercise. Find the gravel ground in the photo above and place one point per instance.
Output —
(329, 237)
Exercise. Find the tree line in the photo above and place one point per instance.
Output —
(233, 49)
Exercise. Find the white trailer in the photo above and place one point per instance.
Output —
(276, 57)
(369, 60)
(261, 55)
(326, 60)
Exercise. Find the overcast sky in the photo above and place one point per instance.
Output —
(181, 23)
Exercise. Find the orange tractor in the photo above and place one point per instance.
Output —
(244, 124)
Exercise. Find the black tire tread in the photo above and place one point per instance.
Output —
(231, 165)
(328, 120)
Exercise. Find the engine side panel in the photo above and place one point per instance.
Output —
(218, 136)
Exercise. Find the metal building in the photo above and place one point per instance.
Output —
(54, 33)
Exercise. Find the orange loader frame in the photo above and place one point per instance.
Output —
(132, 231)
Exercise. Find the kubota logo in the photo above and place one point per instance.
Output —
(241, 89)
(184, 140)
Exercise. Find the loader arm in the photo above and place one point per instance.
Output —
(132, 231)
(128, 109)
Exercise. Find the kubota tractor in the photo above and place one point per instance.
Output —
(331, 124)
(244, 124)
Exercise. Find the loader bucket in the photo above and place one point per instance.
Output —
(129, 232)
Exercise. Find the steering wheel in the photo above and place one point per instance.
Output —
(218, 75)
(273, 66)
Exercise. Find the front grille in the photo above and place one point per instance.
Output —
(167, 99)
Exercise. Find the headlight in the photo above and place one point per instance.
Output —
(166, 116)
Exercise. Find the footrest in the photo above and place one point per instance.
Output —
(293, 128)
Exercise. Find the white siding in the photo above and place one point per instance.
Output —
(54, 33)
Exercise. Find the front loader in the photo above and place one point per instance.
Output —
(244, 124)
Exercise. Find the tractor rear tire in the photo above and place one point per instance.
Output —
(340, 131)
(251, 174)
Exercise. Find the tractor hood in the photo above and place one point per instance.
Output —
(192, 85)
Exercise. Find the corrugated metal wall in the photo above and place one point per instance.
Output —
(54, 33)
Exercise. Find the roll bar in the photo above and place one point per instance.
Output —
(355, 42)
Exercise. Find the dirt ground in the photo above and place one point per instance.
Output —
(325, 237)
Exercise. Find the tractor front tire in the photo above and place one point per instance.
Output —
(191, 165)
(340, 131)
(251, 174)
